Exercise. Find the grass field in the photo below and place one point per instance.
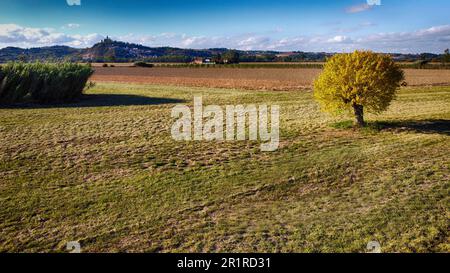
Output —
(106, 172)
(244, 78)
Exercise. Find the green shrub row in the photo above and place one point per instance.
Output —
(244, 65)
(143, 64)
(424, 65)
(416, 65)
(42, 82)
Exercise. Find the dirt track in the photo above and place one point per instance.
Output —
(245, 78)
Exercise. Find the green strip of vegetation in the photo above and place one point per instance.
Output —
(42, 82)
(416, 65)
(245, 65)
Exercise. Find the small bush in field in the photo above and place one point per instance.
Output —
(43, 82)
(105, 65)
(143, 64)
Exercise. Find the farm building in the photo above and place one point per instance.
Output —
(203, 61)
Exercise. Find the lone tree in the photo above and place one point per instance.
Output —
(231, 57)
(358, 81)
(446, 57)
(218, 59)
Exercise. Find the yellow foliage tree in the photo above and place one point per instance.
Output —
(358, 81)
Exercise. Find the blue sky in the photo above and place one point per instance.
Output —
(343, 25)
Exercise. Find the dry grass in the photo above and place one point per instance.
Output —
(243, 78)
(106, 172)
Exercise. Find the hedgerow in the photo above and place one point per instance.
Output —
(42, 82)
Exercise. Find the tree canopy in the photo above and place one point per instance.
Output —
(231, 57)
(358, 81)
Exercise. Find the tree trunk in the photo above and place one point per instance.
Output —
(359, 115)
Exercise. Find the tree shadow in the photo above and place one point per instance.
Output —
(98, 100)
(428, 126)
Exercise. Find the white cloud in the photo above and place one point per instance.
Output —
(340, 39)
(73, 2)
(71, 26)
(434, 39)
(356, 28)
(359, 8)
(15, 35)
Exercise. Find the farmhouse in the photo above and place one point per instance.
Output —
(201, 60)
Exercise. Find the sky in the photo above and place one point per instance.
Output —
(402, 26)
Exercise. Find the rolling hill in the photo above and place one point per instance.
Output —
(117, 51)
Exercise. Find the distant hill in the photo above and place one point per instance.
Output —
(116, 51)
(41, 53)
(109, 50)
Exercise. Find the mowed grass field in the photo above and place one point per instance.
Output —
(106, 172)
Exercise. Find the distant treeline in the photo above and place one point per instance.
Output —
(244, 65)
(425, 65)
(317, 65)
(317, 57)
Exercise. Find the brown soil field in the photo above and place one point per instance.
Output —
(243, 78)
